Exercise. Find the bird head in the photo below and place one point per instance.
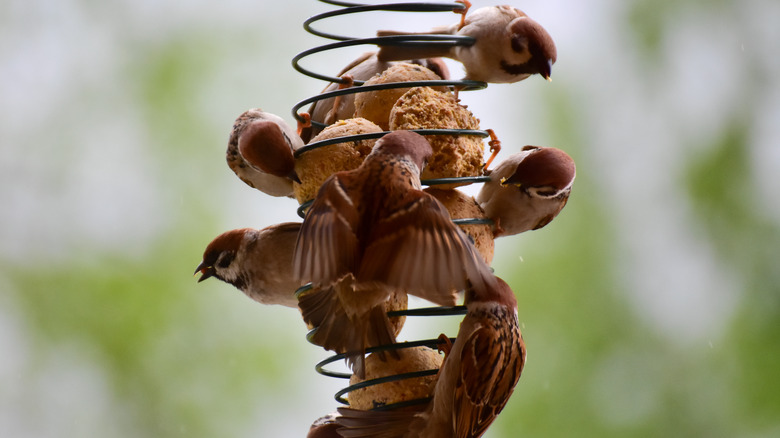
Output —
(545, 172)
(532, 42)
(406, 144)
(264, 145)
(220, 258)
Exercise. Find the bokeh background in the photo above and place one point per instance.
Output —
(650, 306)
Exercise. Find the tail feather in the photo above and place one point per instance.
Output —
(350, 333)
(414, 49)
(376, 424)
(419, 50)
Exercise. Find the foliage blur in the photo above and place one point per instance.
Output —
(650, 306)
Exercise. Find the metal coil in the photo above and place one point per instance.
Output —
(462, 85)
(409, 40)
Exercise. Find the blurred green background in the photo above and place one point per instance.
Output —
(650, 306)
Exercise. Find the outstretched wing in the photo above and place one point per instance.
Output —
(327, 245)
(419, 249)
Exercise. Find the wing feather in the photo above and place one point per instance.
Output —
(491, 362)
(376, 424)
(346, 320)
(327, 246)
(419, 249)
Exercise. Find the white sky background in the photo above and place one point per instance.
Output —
(76, 170)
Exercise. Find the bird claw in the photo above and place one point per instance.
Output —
(349, 81)
(456, 91)
(306, 123)
(463, 12)
(445, 344)
(495, 148)
(497, 230)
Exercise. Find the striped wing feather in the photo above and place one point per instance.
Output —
(376, 424)
(327, 246)
(343, 327)
(491, 363)
(418, 249)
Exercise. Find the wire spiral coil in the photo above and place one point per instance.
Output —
(359, 87)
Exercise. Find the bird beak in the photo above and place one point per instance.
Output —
(547, 70)
(207, 271)
(294, 176)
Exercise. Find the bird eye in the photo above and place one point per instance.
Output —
(519, 44)
(225, 259)
(546, 192)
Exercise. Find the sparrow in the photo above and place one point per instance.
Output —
(331, 110)
(509, 46)
(527, 190)
(260, 152)
(478, 375)
(256, 262)
(371, 232)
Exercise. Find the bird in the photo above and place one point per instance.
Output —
(478, 375)
(329, 111)
(509, 46)
(257, 262)
(372, 232)
(527, 190)
(260, 152)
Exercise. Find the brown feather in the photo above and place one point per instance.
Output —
(327, 246)
(475, 380)
(491, 361)
(347, 320)
(420, 50)
(430, 251)
(376, 424)
(375, 226)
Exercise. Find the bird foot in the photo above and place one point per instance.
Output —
(463, 12)
(495, 148)
(306, 123)
(497, 230)
(445, 344)
(456, 91)
(348, 81)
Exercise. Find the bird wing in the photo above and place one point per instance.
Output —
(419, 249)
(377, 424)
(327, 245)
(347, 321)
(491, 361)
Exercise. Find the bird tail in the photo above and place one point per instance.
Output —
(377, 424)
(405, 50)
(338, 330)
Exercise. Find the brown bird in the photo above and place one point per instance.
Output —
(372, 232)
(257, 262)
(508, 47)
(476, 379)
(527, 190)
(331, 110)
(260, 152)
